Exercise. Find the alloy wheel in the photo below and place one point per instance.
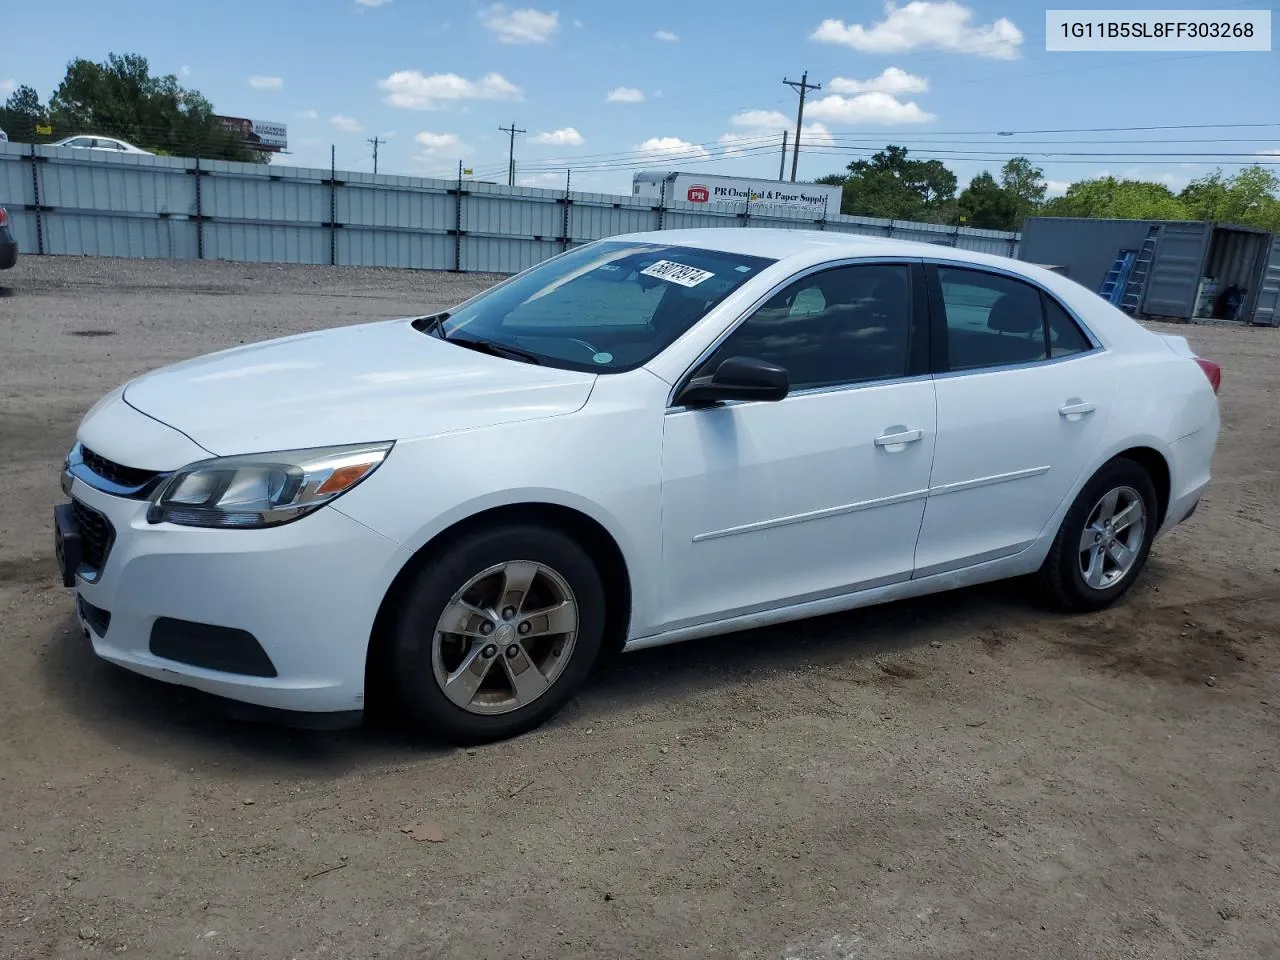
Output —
(505, 637)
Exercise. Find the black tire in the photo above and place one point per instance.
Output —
(1062, 581)
(433, 588)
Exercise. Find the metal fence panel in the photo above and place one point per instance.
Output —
(594, 217)
(92, 202)
(357, 247)
(17, 191)
(95, 235)
(116, 184)
(263, 199)
(539, 216)
(266, 243)
(393, 207)
(504, 254)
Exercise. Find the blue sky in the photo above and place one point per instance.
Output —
(608, 86)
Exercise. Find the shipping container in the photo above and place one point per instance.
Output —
(1186, 270)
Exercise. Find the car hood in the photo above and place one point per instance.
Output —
(356, 384)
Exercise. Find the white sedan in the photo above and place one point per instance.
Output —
(643, 440)
(111, 144)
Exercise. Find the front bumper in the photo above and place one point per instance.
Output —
(304, 593)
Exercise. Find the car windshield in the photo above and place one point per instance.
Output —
(607, 307)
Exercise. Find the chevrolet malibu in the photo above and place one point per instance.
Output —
(644, 440)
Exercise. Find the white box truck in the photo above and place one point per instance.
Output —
(817, 199)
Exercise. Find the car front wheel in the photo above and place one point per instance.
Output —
(498, 632)
(1104, 539)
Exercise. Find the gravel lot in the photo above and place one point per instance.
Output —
(960, 776)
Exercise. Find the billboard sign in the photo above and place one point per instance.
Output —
(257, 134)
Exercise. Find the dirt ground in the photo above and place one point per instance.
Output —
(963, 776)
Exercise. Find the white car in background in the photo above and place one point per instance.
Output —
(4, 137)
(644, 440)
(95, 142)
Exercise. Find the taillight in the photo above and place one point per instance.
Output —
(1211, 370)
(4, 216)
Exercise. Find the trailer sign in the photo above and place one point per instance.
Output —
(738, 193)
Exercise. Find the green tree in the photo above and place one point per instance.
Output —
(986, 204)
(21, 112)
(893, 185)
(1248, 197)
(121, 98)
(1026, 184)
(1108, 197)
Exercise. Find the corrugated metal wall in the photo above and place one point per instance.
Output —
(65, 201)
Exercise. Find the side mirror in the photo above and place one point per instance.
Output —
(737, 378)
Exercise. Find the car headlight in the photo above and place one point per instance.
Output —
(262, 489)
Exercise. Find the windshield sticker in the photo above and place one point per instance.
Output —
(743, 269)
(680, 273)
(603, 358)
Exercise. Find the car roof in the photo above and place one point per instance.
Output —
(809, 245)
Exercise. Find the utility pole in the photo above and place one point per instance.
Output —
(801, 86)
(782, 164)
(375, 141)
(511, 132)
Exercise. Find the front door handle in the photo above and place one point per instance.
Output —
(1076, 408)
(893, 442)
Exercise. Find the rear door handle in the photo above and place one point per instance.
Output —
(1076, 409)
(899, 439)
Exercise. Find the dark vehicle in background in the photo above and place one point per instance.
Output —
(8, 245)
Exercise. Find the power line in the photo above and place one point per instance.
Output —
(801, 86)
(511, 132)
(696, 151)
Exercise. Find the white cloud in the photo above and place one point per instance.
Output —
(666, 36)
(762, 128)
(184, 71)
(577, 24)
(346, 124)
(672, 146)
(435, 143)
(519, 26)
(566, 137)
(372, 3)
(625, 95)
(8, 86)
(892, 80)
(1269, 153)
(770, 120)
(867, 108)
(1056, 188)
(306, 114)
(259, 82)
(411, 90)
(921, 24)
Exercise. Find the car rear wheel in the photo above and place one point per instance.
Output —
(498, 632)
(1104, 539)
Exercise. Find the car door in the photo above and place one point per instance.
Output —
(1023, 399)
(821, 493)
